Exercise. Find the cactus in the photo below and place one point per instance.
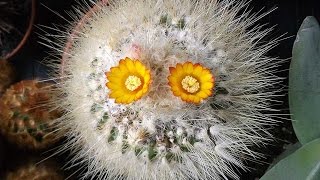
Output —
(175, 89)
(24, 119)
(7, 75)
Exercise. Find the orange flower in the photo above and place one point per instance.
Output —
(191, 82)
(128, 81)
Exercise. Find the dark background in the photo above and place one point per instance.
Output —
(287, 18)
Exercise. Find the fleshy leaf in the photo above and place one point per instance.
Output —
(304, 82)
(288, 151)
(303, 164)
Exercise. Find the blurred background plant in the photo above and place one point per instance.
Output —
(302, 160)
(25, 119)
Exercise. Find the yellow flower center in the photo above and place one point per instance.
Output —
(190, 84)
(132, 83)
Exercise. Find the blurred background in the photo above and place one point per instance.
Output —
(29, 64)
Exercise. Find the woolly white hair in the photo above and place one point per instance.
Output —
(160, 136)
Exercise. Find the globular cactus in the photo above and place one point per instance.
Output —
(24, 118)
(7, 75)
(174, 89)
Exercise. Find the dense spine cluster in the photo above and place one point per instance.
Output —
(26, 119)
(160, 136)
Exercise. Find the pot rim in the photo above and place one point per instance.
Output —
(27, 33)
(75, 31)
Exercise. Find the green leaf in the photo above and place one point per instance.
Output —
(288, 151)
(303, 164)
(304, 82)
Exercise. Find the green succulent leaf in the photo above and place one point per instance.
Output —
(304, 82)
(303, 164)
(288, 151)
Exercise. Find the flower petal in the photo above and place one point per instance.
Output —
(116, 94)
(173, 79)
(130, 66)
(207, 85)
(197, 70)
(114, 71)
(179, 67)
(202, 94)
(188, 67)
(172, 70)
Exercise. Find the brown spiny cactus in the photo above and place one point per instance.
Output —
(25, 119)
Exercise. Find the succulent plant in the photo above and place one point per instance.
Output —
(175, 89)
(24, 118)
(47, 170)
(7, 75)
(303, 159)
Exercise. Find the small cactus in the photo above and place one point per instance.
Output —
(24, 119)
